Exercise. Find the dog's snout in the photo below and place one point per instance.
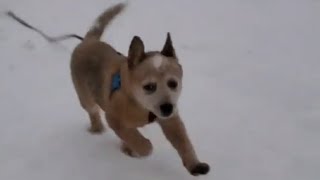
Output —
(166, 109)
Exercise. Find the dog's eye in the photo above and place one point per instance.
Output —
(172, 84)
(150, 87)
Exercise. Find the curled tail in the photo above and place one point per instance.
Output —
(104, 20)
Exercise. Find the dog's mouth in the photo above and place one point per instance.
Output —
(165, 117)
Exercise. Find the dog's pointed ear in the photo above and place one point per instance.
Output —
(168, 49)
(136, 52)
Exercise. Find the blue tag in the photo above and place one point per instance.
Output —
(116, 82)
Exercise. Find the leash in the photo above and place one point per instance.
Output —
(116, 79)
(48, 38)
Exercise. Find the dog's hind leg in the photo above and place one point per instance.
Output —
(95, 119)
(88, 103)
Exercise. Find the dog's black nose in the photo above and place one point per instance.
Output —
(166, 109)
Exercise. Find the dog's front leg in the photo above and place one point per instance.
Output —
(134, 143)
(175, 131)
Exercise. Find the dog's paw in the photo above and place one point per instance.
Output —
(96, 129)
(129, 152)
(200, 169)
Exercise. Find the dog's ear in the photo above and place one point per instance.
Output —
(136, 52)
(168, 49)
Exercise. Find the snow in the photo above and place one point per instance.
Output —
(251, 97)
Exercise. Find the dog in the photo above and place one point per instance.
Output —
(133, 91)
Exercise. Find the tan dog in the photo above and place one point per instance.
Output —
(132, 91)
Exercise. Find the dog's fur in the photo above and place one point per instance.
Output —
(148, 80)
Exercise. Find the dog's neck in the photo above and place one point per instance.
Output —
(125, 80)
(115, 82)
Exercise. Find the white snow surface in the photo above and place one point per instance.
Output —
(250, 102)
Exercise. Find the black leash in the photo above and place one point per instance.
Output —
(48, 38)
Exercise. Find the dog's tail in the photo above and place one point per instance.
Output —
(104, 20)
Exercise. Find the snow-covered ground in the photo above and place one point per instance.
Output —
(251, 98)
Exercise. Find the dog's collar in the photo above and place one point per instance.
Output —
(115, 82)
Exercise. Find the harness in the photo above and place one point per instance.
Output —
(115, 82)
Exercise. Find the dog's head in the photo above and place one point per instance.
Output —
(155, 77)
